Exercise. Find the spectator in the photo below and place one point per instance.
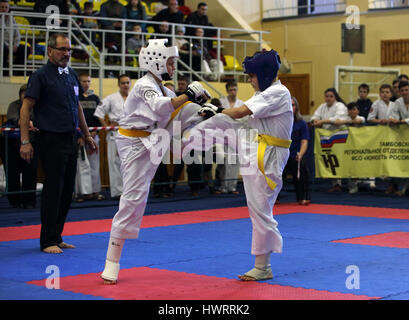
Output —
(135, 43)
(353, 119)
(163, 32)
(14, 47)
(171, 14)
(135, 11)
(200, 54)
(200, 18)
(364, 104)
(57, 114)
(89, 21)
(297, 163)
(113, 9)
(113, 107)
(399, 114)
(395, 87)
(325, 116)
(16, 165)
(380, 108)
(88, 181)
(230, 169)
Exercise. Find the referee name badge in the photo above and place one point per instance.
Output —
(76, 90)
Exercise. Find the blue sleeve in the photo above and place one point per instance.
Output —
(34, 86)
(305, 133)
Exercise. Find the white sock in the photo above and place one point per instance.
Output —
(263, 261)
(115, 249)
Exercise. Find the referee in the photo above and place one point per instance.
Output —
(53, 91)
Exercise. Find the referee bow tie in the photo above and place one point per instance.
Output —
(61, 70)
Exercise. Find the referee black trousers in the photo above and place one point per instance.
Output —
(301, 184)
(58, 156)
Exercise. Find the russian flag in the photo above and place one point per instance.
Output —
(338, 137)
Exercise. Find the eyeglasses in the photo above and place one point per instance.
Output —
(63, 49)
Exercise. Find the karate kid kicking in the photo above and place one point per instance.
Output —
(270, 113)
(148, 110)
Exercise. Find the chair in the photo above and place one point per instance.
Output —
(232, 64)
(23, 22)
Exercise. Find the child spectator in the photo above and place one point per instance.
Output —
(364, 104)
(353, 119)
(135, 43)
(380, 108)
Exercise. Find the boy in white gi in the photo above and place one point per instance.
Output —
(380, 109)
(147, 112)
(113, 106)
(270, 113)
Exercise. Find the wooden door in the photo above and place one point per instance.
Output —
(299, 86)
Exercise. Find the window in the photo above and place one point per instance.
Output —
(289, 8)
(384, 4)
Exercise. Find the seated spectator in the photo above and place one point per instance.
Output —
(170, 14)
(135, 43)
(135, 11)
(200, 51)
(364, 104)
(89, 22)
(200, 18)
(16, 165)
(380, 108)
(13, 48)
(325, 116)
(113, 9)
(163, 32)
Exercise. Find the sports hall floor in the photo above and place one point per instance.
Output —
(341, 247)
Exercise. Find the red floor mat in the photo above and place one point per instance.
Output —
(397, 239)
(156, 284)
(170, 219)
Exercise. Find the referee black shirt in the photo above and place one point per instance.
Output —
(57, 98)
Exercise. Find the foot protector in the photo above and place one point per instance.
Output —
(111, 271)
(257, 274)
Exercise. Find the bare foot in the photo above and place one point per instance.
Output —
(64, 245)
(52, 249)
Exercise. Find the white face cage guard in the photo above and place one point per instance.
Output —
(154, 57)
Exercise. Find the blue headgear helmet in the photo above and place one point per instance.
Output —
(265, 65)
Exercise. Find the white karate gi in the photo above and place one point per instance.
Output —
(147, 109)
(273, 116)
(379, 110)
(399, 111)
(113, 106)
(88, 178)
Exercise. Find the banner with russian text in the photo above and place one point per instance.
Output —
(362, 152)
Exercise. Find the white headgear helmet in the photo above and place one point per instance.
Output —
(154, 57)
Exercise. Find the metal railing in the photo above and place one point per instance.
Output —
(293, 8)
(234, 43)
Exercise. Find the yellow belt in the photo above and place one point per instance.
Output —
(133, 132)
(175, 113)
(141, 133)
(264, 141)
